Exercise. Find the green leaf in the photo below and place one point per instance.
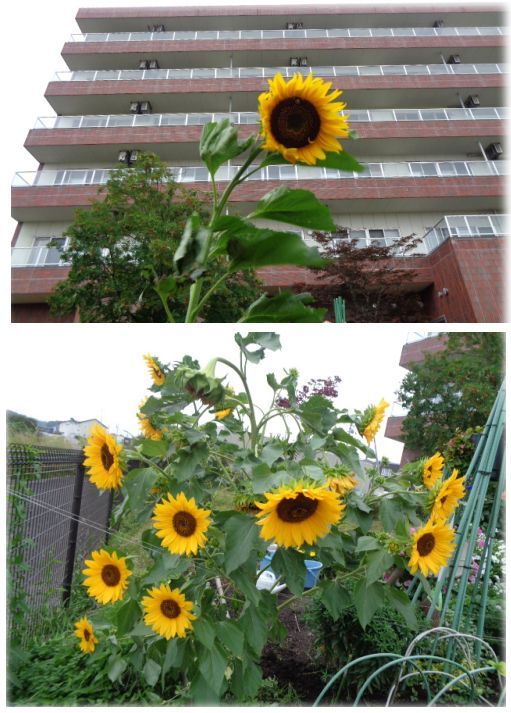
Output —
(212, 665)
(165, 287)
(366, 543)
(264, 340)
(201, 691)
(190, 251)
(155, 449)
(127, 616)
(272, 382)
(318, 413)
(335, 598)
(295, 206)
(284, 307)
(186, 464)
(231, 637)
(116, 667)
(245, 582)
(255, 629)
(402, 604)
(175, 652)
(151, 672)
(166, 567)
(246, 679)
(219, 143)
(378, 563)
(204, 632)
(367, 600)
(241, 538)
(271, 452)
(137, 484)
(390, 512)
(290, 564)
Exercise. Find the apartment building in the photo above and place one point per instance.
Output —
(424, 88)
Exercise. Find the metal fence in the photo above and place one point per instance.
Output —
(55, 518)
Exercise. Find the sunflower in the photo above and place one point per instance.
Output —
(446, 501)
(371, 420)
(157, 374)
(220, 415)
(181, 524)
(432, 546)
(343, 485)
(432, 470)
(147, 428)
(167, 611)
(103, 461)
(296, 514)
(107, 576)
(300, 120)
(85, 632)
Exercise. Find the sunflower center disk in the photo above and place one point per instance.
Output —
(425, 544)
(296, 509)
(110, 575)
(157, 373)
(295, 123)
(170, 608)
(184, 523)
(106, 457)
(86, 635)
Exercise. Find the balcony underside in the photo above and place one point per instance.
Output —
(257, 53)
(180, 143)
(484, 194)
(368, 92)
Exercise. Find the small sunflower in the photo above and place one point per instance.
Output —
(168, 612)
(296, 514)
(432, 470)
(157, 374)
(147, 428)
(107, 576)
(220, 415)
(371, 420)
(451, 491)
(432, 546)
(103, 459)
(85, 632)
(343, 485)
(180, 524)
(300, 120)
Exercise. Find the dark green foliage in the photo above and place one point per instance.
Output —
(453, 389)
(122, 248)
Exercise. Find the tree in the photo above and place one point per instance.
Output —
(453, 389)
(368, 278)
(122, 250)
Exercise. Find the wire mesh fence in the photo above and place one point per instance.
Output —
(55, 518)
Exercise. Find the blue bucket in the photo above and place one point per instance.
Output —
(312, 574)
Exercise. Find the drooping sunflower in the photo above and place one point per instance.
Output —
(433, 469)
(371, 420)
(451, 491)
(85, 632)
(300, 119)
(103, 459)
(432, 546)
(107, 576)
(168, 612)
(220, 415)
(300, 513)
(147, 428)
(157, 374)
(180, 524)
(343, 485)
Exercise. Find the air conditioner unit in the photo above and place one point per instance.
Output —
(294, 61)
(145, 108)
(290, 26)
(153, 64)
(143, 64)
(303, 62)
(438, 23)
(298, 25)
(134, 107)
(123, 157)
(471, 101)
(159, 28)
(454, 59)
(494, 151)
(133, 156)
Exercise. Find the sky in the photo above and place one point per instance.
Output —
(98, 371)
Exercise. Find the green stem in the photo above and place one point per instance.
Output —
(251, 414)
(208, 294)
(296, 596)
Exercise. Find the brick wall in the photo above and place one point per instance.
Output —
(37, 312)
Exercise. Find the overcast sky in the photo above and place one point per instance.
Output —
(97, 371)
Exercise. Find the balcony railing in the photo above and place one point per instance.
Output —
(37, 256)
(289, 34)
(192, 174)
(252, 118)
(97, 75)
(465, 226)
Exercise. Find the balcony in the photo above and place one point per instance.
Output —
(289, 34)
(465, 226)
(37, 257)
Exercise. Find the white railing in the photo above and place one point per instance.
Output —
(288, 34)
(192, 174)
(36, 256)
(96, 75)
(465, 226)
(252, 118)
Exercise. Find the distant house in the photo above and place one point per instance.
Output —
(71, 429)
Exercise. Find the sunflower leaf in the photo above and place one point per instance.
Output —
(219, 143)
(241, 537)
(378, 562)
(127, 616)
(116, 667)
(291, 565)
(284, 307)
(402, 604)
(335, 598)
(296, 206)
(367, 600)
(212, 665)
(151, 672)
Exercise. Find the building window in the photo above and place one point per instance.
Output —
(42, 254)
